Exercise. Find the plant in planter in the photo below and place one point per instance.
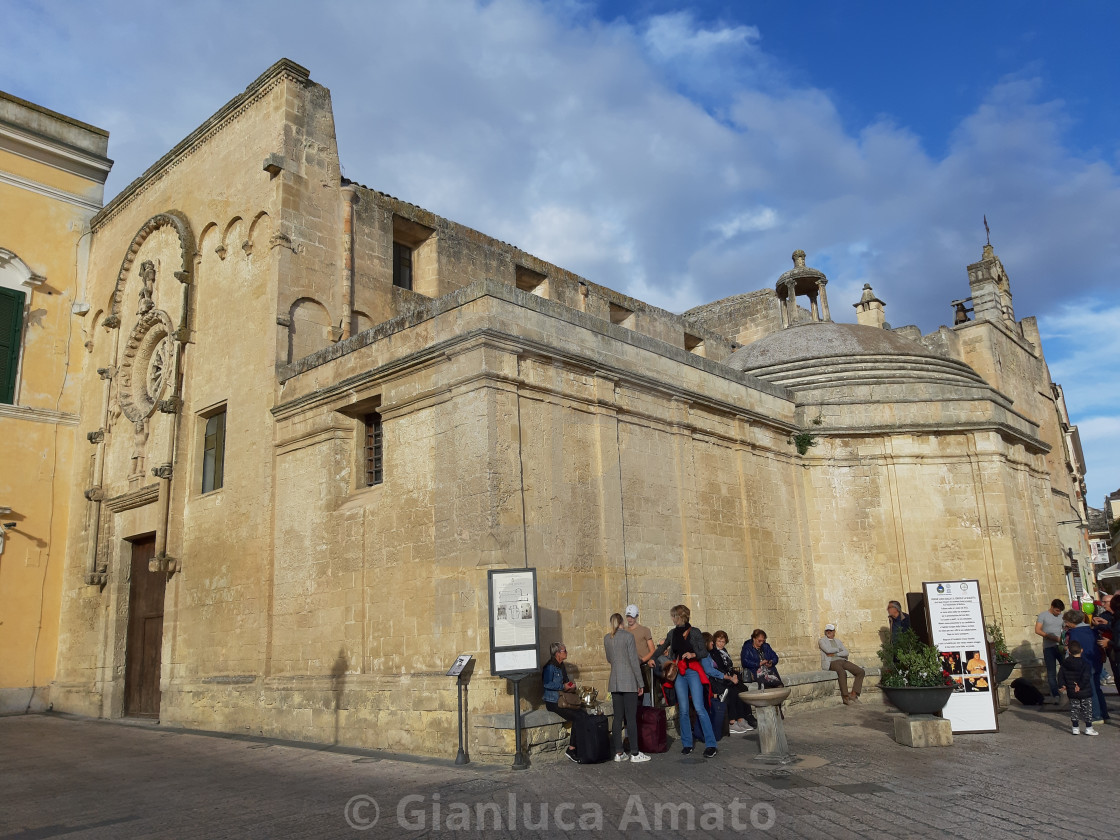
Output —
(913, 678)
(1005, 662)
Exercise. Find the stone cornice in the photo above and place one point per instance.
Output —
(50, 192)
(134, 499)
(37, 415)
(282, 70)
(54, 153)
(1005, 430)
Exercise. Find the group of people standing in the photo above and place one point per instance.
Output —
(1076, 644)
(692, 668)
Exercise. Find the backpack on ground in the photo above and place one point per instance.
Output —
(1026, 693)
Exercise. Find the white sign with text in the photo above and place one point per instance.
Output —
(956, 620)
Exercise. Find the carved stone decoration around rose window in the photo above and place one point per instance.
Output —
(147, 365)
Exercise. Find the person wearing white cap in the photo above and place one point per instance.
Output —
(643, 641)
(834, 657)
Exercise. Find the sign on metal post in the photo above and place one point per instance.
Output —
(459, 665)
(956, 620)
(514, 622)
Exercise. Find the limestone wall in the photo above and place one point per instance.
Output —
(891, 512)
(451, 256)
(215, 281)
(742, 318)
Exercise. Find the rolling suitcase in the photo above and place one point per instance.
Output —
(653, 734)
(593, 740)
(717, 715)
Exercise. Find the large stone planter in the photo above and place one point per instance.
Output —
(920, 700)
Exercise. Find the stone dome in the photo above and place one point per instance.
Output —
(824, 354)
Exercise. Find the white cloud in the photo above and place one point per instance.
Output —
(752, 221)
(672, 35)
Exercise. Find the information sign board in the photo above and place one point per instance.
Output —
(514, 621)
(956, 620)
(459, 665)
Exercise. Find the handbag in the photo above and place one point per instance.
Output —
(671, 671)
(768, 677)
(569, 699)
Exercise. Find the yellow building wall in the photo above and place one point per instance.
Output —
(44, 221)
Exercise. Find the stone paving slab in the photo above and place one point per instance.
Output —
(81, 779)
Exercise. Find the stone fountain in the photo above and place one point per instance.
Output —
(774, 749)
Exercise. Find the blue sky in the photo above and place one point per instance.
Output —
(681, 151)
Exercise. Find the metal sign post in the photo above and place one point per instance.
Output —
(514, 636)
(520, 762)
(457, 672)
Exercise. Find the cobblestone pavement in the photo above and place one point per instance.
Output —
(84, 779)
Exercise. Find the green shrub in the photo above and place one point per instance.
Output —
(907, 661)
(998, 642)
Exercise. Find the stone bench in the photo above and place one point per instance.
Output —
(542, 732)
(820, 689)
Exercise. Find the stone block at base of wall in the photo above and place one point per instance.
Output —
(542, 732)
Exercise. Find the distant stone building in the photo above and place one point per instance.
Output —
(314, 416)
(52, 176)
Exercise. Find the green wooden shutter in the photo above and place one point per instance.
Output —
(11, 321)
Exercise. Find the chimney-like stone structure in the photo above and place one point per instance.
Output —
(870, 311)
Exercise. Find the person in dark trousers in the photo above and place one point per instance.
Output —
(1077, 677)
(625, 686)
(1092, 652)
(554, 678)
(1049, 626)
(1112, 651)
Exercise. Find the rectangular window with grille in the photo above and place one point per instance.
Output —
(11, 324)
(214, 452)
(375, 472)
(402, 266)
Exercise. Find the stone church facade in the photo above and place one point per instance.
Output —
(314, 416)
